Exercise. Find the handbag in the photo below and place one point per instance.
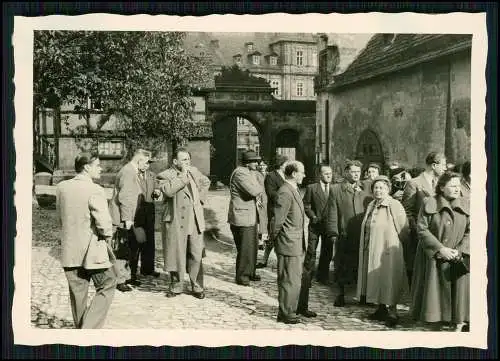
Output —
(120, 244)
(97, 255)
(457, 269)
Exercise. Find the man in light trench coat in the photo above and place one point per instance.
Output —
(184, 188)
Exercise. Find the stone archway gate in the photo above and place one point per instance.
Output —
(253, 100)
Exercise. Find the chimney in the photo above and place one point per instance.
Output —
(214, 44)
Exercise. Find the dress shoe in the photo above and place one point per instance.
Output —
(199, 295)
(122, 287)
(307, 313)
(171, 294)
(465, 328)
(133, 282)
(288, 320)
(339, 301)
(391, 320)
(255, 278)
(261, 265)
(380, 314)
(154, 274)
(243, 283)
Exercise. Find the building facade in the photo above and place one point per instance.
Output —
(402, 97)
(288, 61)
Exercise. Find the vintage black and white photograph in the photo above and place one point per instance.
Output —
(284, 181)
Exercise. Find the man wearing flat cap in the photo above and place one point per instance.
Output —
(246, 196)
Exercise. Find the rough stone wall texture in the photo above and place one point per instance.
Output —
(407, 110)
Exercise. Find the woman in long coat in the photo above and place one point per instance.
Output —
(381, 270)
(441, 278)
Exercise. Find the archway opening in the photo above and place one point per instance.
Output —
(247, 137)
(287, 142)
(232, 136)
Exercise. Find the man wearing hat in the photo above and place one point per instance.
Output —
(398, 176)
(127, 214)
(246, 196)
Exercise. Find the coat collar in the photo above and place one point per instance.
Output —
(347, 186)
(438, 203)
(386, 202)
(296, 194)
(83, 177)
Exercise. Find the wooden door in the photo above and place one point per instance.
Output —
(224, 136)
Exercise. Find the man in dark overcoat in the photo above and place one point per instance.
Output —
(347, 204)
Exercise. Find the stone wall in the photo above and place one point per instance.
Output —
(408, 111)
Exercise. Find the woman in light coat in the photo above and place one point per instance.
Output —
(381, 269)
(440, 291)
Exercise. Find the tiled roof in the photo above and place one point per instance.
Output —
(381, 56)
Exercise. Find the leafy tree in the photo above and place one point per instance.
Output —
(146, 79)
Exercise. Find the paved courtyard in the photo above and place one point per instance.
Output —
(226, 306)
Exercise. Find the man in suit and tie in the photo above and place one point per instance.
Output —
(145, 219)
(315, 204)
(84, 215)
(185, 189)
(246, 193)
(272, 183)
(416, 190)
(287, 232)
(127, 213)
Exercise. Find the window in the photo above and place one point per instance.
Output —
(237, 59)
(249, 47)
(273, 60)
(275, 84)
(300, 89)
(288, 152)
(94, 103)
(257, 149)
(111, 148)
(300, 57)
(241, 121)
(256, 59)
(314, 58)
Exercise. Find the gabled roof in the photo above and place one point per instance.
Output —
(382, 57)
(273, 53)
(231, 44)
(294, 37)
(255, 52)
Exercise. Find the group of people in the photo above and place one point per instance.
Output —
(104, 241)
(389, 235)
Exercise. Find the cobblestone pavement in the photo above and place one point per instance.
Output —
(226, 306)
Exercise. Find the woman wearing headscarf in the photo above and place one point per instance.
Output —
(381, 269)
(440, 292)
